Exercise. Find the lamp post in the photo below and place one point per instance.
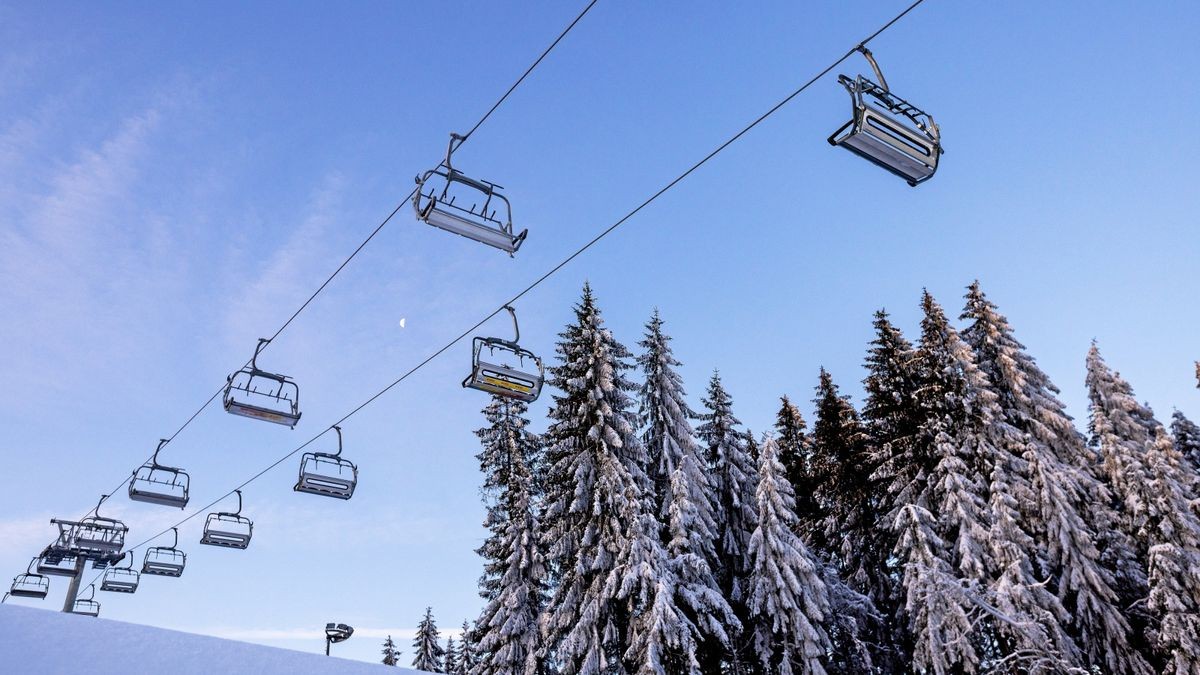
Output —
(339, 632)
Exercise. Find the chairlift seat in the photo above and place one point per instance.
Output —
(120, 580)
(889, 132)
(444, 214)
(503, 379)
(327, 475)
(30, 585)
(164, 561)
(157, 484)
(227, 529)
(86, 608)
(99, 537)
(56, 565)
(436, 198)
(277, 403)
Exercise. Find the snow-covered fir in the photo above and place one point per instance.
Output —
(733, 478)
(612, 605)
(428, 653)
(391, 655)
(1058, 477)
(682, 492)
(787, 600)
(514, 579)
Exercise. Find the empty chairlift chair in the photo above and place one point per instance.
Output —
(505, 368)
(887, 130)
(54, 562)
(326, 474)
(121, 579)
(155, 483)
(231, 530)
(441, 196)
(255, 393)
(87, 606)
(165, 561)
(99, 538)
(30, 584)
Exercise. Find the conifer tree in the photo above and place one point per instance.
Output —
(1057, 480)
(938, 604)
(1120, 433)
(1146, 471)
(391, 655)
(428, 654)
(787, 599)
(1173, 531)
(1187, 440)
(939, 514)
(450, 663)
(976, 486)
(842, 467)
(733, 479)
(612, 608)
(662, 410)
(514, 580)
(891, 421)
(468, 659)
(682, 489)
(796, 456)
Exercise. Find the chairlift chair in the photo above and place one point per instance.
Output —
(438, 207)
(121, 579)
(87, 606)
(97, 537)
(54, 562)
(165, 561)
(255, 393)
(30, 584)
(887, 130)
(327, 474)
(492, 372)
(155, 483)
(231, 530)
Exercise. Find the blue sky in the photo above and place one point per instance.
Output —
(175, 179)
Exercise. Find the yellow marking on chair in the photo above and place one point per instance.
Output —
(504, 384)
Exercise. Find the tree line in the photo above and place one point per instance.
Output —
(958, 522)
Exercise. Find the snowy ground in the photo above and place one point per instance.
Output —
(41, 641)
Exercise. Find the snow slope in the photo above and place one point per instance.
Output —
(41, 641)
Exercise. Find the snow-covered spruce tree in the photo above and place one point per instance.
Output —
(514, 579)
(733, 478)
(1173, 531)
(428, 654)
(1065, 498)
(682, 493)
(948, 498)
(892, 421)
(795, 454)
(662, 410)
(842, 466)
(468, 656)
(975, 490)
(1187, 440)
(937, 603)
(450, 662)
(1119, 432)
(612, 609)
(391, 655)
(1147, 473)
(787, 599)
